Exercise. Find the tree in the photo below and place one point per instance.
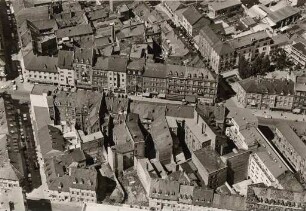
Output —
(280, 59)
(244, 67)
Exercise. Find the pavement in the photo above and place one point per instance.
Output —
(46, 205)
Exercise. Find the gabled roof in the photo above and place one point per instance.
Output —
(192, 15)
(41, 63)
(65, 59)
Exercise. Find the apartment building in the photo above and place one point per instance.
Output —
(154, 78)
(135, 70)
(183, 81)
(117, 67)
(100, 74)
(299, 79)
(82, 65)
(261, 197)
(41, 69)
(252, 45)
(242, 128)
(275, 94)
(211, 168)
(292, 147)
(220, 55)
(201, 131)
(67, 76)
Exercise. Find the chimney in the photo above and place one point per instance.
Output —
(113, 31)
(111, 5)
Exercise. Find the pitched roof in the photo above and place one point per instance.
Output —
(41, 63)
(65, 59)
(283, 13)
(289, 134)
(268, 86)
(51, 141)
(209, 159)
(192, 15)
(79, 30)
(248, 39)
(155, 70)
(219, 5)
(117, 64)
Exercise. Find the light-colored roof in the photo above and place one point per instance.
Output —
(289, 134)
(242, 116)
(283, 13)
(223, 4)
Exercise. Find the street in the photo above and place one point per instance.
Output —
(46, 205)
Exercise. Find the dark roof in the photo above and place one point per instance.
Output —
(300, 47)
(79, 30)
(155, 70)
(229, 202)
(51, 141)
(209, 35)
(65, 59)
(209, 159)
(192, 15)
(283, 13)
(117, 63)
(41, 63)
(84, 55)
(268, 86)
(132, 123)
(137, 64)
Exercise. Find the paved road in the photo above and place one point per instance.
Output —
(46, 205)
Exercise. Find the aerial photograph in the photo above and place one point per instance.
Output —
(162, 105)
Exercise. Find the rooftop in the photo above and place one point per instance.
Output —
(132, 123)
(267, 86)
(41, 63)
(210, 160)
(192, 15)
(65, 59)
(12, 199)
(223, 4)
(79, 30)
(283, 13)
(248, 39)
(292, 138)
(242, 116)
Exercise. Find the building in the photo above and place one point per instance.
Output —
(191, 16)
(202, 131)
(184, 81)
(211, 168)
(162, 138)
(292, 147)
(117, 68)
(237, 163)
(82, 65)
(67, 76)
(220, 55)
(252, 45)
(275, 94)
(220, 8)
(299, 79)
(135, 70)
(41, 69)
(135, 134)
(298, 54)
(283, 17)
(155, 78)
(66, 36)
(260, 197)
(13, 199)
(100, 74)
(242, 128)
